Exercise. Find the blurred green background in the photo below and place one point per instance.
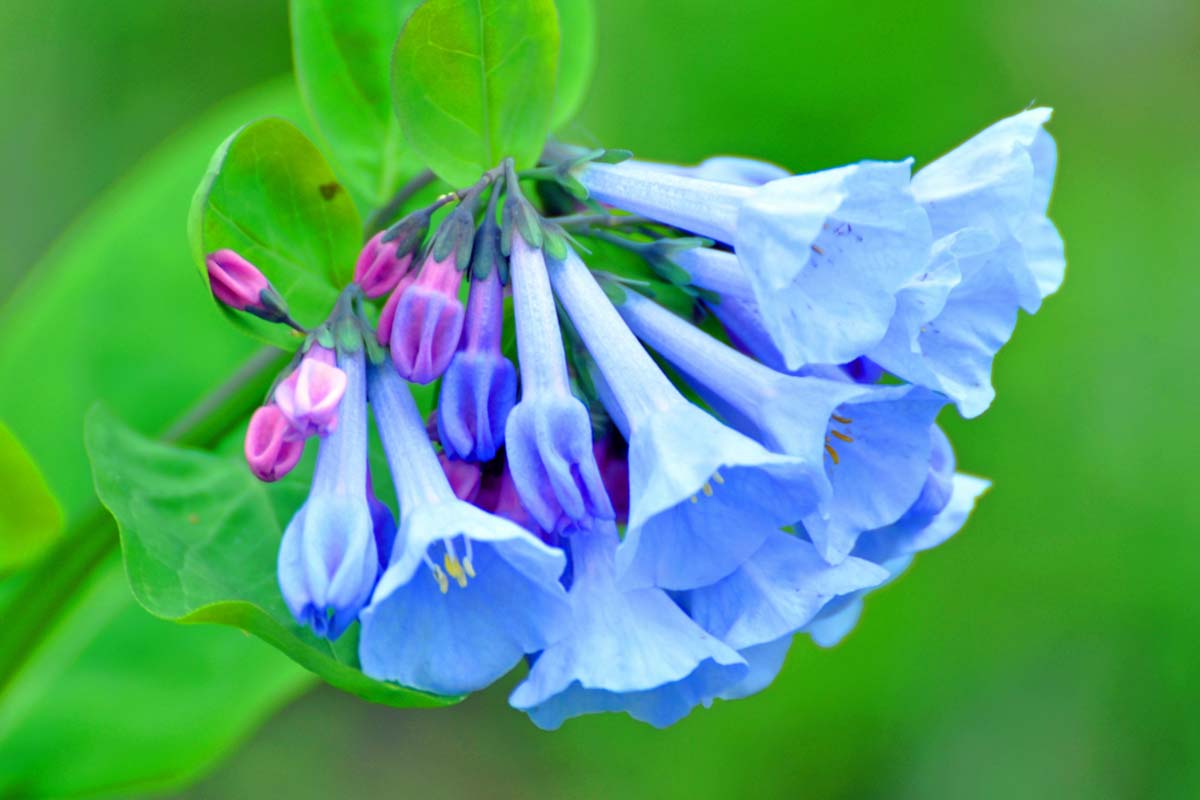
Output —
(1050, 650)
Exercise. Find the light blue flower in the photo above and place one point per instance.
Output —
(549, 435)
(703, 497)
(874, 440)
(1000, 180)
(630, 650)
(952, 319)
(776, 592)
(506, 601)
(328, 559)
(824, 253)
(941, 510)
(727, 169)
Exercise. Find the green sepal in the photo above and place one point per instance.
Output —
(410, 231)
(487, 254)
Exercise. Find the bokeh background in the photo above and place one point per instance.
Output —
(1051, 649)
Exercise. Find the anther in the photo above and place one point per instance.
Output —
(843, 420)
(717, 478)
(695, 499)
(832, 453)
(439, 576)
(842, 436)
(707, 489)
(455, 569)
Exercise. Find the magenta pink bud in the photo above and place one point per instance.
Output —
(498, 494)
(613, 461)
(309, 397)
(270, 453)
(464, 477)
(428, 322)
(240, 285)
(379, 269)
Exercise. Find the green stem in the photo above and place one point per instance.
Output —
(582, 221)
(33, 610)
(387, 212)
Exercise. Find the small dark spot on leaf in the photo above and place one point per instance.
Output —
(330, 190)
(194, 519)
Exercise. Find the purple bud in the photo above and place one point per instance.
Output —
(309, 397)
(270, 452)
(240, 285)
(497, 494)
(464, 477)
(379, 268)
(383, 523)
(612, 457)
(479, 388)
(428, 322)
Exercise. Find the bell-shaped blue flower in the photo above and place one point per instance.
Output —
(703, 497)
(952, 319)
(467, 593)
(630, 650)
(328, 559)
(550, 453)
(874, 440)
(776, 592)
(727, 169)
(945, 503)
(824, 253)
(1000, 180)
(480, 385)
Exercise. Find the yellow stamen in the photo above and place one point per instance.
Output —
(707, 489)
(843, 420)
(717, 478)
(832, 453)
(468, 566)
(440, 577)
(455, 569)
(695, 499)
(818, 250)
(842, 436)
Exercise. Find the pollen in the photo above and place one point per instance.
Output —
(455, 569)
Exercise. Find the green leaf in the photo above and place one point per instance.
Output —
(30, 518)
(473, 82)
(200, 538)
(270, 195)
(577, 59)
(117, 702)
(342, 53)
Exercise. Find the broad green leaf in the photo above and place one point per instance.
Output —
(270, 195)
(473, 82)
(115, 312)
(342, 53)
(30, 517)
(577, 59)
(201, 537)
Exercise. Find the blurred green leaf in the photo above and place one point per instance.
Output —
(270, 195)
(114, 311)
(577, 57)
(473, 82)
(200, 538)
(30, 517)
(342, 53)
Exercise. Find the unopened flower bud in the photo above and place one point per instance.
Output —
(310, 396)
(240, 285)
(464, 477)
(428, 322)
(270, 452)
(380, 266)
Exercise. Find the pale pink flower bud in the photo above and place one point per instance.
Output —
(240, 285)
(379, 268)
(309, 397)
(269, 451)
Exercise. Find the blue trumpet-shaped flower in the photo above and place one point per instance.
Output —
(550, 451)
(480, 385)
(703, 497)
(824, 253)
(466, 593)
(942, 508)
(776, 592)
(630, 650)
(727, 169)
(328, 559)
(874, 440)
(1000, 180)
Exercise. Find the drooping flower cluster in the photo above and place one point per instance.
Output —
(648, 540)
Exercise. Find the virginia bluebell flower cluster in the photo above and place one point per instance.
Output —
(693, 459)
